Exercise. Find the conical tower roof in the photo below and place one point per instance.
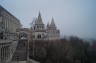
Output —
(52, 23)
(39, 19)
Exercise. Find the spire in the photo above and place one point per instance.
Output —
(39, 16)
(52, 23)
(39, 19)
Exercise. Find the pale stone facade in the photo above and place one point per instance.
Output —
(42, 32)
(8, 24)
(8, 35)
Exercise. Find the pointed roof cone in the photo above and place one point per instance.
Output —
(39, 19)
(52, 23)
(39, 15)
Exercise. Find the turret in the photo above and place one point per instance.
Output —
(39, 23)
(39, 20)
(52, 25)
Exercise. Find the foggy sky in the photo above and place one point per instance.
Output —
(72, 17)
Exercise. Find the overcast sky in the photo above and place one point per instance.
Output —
(72, 17)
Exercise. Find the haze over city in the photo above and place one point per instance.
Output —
(72, 17)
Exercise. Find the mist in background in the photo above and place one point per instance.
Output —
(72, 17)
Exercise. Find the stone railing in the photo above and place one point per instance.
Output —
(7, 49)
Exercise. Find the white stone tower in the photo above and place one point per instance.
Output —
(52, 32)
(39, 32)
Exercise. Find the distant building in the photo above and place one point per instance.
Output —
(24, 33)
(42, 32)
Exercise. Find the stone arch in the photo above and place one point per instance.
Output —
(23, 34)
(1, 35)
(39, 36)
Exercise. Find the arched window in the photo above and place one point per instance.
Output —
(39, 36)
(37, 26)
(23, 34)
(1, 35)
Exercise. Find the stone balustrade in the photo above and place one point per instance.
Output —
(7, 49)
